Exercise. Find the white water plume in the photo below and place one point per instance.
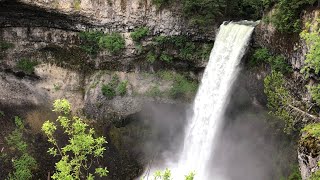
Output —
(212, 97)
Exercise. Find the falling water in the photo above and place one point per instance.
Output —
(212, 97)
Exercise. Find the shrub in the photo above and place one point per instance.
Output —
(287, 14)
(312, 62)
(188, 51)
(166, 58)
(278, 63)
(122, 88)
(315, 93)
(166, 175)
(279, 98)
(23, 162)
(114, 42)
(90, 40)
(312, 130)
(81, 153)
(114, 87)
(315, 175)
(93, 42)
(108, 91)
(27, 65)
(138, 34)
(260, 55)
(180, 47)
(151, 57)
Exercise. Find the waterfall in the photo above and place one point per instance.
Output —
(210, 103)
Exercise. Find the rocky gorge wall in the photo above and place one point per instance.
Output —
(294, 48)
(47, 32)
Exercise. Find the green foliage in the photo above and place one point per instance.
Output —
(77, 4)
(295, 173)
(154, 91)
(190, 176)
(113, 42)
(151, 57)
(315, 93)
(108, 91)
(278, 99)
(122, 88)
(114, 87)
(90, 40)
(201, 12)
(82, 150)
(94, 41)
(315, 176)
(205, 52)
(312, 62)
(312, 130)
(166, 75)
(166, 58)
(27, 65)
(287, 14)
(167, 48)
(166, 175)
(183, 88)
(5, 45)
(23, 162)
(139, 33)
(259, 56)
(62, 106)
(277, 63)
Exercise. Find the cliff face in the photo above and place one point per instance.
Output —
(47, 32)
(108, 16)
(289, 45)
(294, 49)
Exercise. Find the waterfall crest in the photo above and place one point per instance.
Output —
(211, 99)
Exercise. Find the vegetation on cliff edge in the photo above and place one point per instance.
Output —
(83, 149)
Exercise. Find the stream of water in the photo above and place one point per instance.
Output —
(212, 98)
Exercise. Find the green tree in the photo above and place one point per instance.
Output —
(23, 162)
(311, 34)
(82, 150)
(286, 17)
(279, 99)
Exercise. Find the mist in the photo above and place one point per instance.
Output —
(250, 145)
